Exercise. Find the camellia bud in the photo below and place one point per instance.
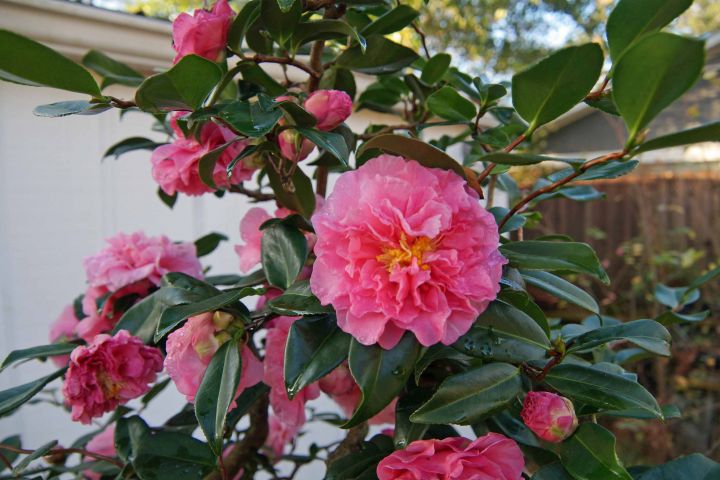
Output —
(550, 416)
(221, 320)
(293, 146)
(329, 107)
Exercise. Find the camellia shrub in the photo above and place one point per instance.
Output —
(403, 295)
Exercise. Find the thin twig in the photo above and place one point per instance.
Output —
(5, 461)
(507, 149)
(258, 58)
(65, 451)
(254, 194)
(120, 103)
(599, 92)
(423, 40)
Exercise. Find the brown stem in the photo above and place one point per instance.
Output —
(483, 175)
(351, 443)
(550, 188)
(5, 461)
(258, 58)
(243, 452)
(119, 103)
(66, 451)
(254, 194)
(423, 40)
(598, 93)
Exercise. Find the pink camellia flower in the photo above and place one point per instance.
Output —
(288, 415)
(550, 416)
(191, 347)
(175, 165)
(104, 444)
(62, 330)
(130, 258)
(203, 33)
(329, 107)
(490, 457)
(294, 146)
(405, 247)
(109, 372)
(341, 387)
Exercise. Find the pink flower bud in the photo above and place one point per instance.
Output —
(550, 416)
(293, 146)
(203, 33)
(330, 107)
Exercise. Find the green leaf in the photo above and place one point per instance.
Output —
(435, 68)
(503, 158)
(554, 85)
(705, 133)
(162, 455)
(601, 389)
(434, 353)
(296, 115)
(407, 431)
(362, 464)
(326, 30)
(315, 346)
(552, 471)
(554, 256)
(392, 21)
(603, 102)
(129, 145)
(12, 398)
(380, 56)
(168, 200)
(298, 300)
(699, 282)
(39, 452)
(217, 391)
(142, 318)
(248, 119)
(41, 352)
(333, 143)
(284, 251)
(506, 321)
(111, 70)
(691, 466)
(280, 22)
(646, 334)
(631, 20)
(675, 297)
(70, 107)
(590, 455)
(669, 317)
(561, 288)
(676, 63)
(240, 26)
(184, 87)
(469, 397)
(381, 374)
(254, 73)
(301, 199)
(413, 149)
(207, 244)
(28, 62)
(244, 402)
(12, 441)
(206, 165)
(447, 103)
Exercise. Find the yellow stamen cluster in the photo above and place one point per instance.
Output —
(404, 254)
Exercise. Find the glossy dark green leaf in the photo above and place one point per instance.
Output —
(380, 56)
(407, 431)
(435, 68)
(296, 115)
(552, 471)
(435, 353)
(468, 397)
(112, 71)
(603, 102)
(184, 87)
(254, 73)
(12, 398)
(298, 300)
(447, 103)
(503, 158)
(381, 374)
(705, 133)
(217, 391)
(142, 318)
(362, 464)
(392, 21)
(554, 85)
(561, 288)
(41, 352)
(300, 198)
(601, 389)
(676, 63)
(39, 452)
(162, 455)
(554, 256)
(281, 22)
(240, 26)
(631, 20)
(168, 200)
(646, 334)
(206, 165)
(315, 346)
(249, 119)
(691, 466)
(515, 222)
(71, 107)
(284, 251)
(244, 402)
(522, 301)
(414, 149)
(129, 145)
(590, 455)
(207, 244)
(28, 62)
(333, 143)
(12, 441)
(326, 30)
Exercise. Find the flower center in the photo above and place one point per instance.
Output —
(110, 387)
(404, 254)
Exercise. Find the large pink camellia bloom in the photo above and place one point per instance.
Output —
(175, 165)
(109, 372)
(490, 457)
(341, 387)
(191, 347)
(329, 107)
(405, 247)
(550, 416)
(104, 444)
(203, 33)
(288, 415)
